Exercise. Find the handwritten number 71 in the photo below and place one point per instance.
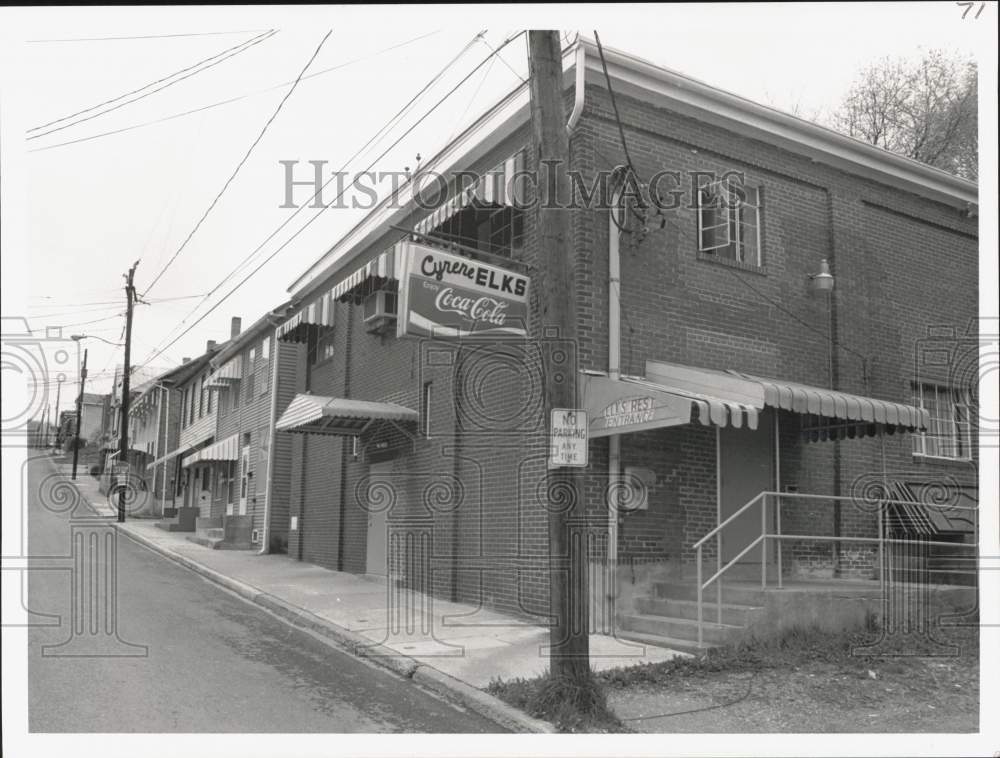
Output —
(968, 7)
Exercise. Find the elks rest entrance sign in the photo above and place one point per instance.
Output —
(447, 296)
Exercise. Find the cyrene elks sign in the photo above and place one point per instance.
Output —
(443, 295)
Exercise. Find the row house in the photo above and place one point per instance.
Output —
(230, 481)
(777, 370)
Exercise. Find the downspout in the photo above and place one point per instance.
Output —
(579, 91)
(265, 539)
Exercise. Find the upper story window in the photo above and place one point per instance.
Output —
(201, 396)
(729, 220)
(497, 229)
(323, 349)
(248, 375)
(949, 432)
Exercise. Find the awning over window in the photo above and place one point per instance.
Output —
(314, 414)
(375, 273)
(672, 394)
(224, 450)
(832, 404)
(166, 458)
(230, 371)
(317, 312)
(495, 187)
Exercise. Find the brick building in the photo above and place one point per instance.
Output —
(714, 359)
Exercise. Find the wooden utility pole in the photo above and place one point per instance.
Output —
(79, 414)
(569, 642)
(123, 449)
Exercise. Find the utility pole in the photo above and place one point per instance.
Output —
(123, 449)
(569, 655)
(79, 414)
(59, 381)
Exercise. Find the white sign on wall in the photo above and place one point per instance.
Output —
(568, 438)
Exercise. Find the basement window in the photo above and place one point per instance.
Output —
(729, 221)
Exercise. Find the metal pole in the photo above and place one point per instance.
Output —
(79, 414)
(700, 618)
(763, 542)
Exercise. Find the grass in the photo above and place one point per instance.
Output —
(573, 706)
(803, 668)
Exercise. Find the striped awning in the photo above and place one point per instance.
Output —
(165, 458)
(224, 450)
(315, 414)
(381, 269)
(495, 187)
(317, 312)
(230, 371)
(730, 398)
(828, 403)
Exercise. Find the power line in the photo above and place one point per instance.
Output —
(614, 104)
(145, 36)
(228, 101)
(320, 211)
(227, 54)
(374, 139)
(246, 156)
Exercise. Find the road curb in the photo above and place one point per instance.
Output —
(446, 686)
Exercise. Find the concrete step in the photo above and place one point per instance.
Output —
(205, 541)
(734, 614)
(678, 628)
(684, 646)
(731, 594)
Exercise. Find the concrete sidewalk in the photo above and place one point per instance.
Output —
(449, 646)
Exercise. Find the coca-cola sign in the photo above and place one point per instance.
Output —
(447, 296)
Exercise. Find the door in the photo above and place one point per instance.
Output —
(244, 479)
(746, 468)
(378, 521)
(203, 486)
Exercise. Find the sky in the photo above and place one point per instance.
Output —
(76, 216)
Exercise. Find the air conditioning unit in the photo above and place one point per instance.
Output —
(379, 310)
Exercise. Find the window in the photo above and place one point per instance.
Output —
(265, 352)
(249, 373)
(201, 396)
(425, 409)
(235, 390)
(729, 221)
(949, 432)
(324, 347)
(265, 348)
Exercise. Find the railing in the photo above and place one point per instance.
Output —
(777, 539)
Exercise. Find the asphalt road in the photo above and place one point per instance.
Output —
(214, 663)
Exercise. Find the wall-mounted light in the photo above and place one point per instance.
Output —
(823, 281)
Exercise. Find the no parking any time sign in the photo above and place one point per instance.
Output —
(568, 438)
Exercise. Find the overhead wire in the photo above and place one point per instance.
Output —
(243, 160)
(230, 100)
(145, 36)
(373, 140)
(226, 55)
(320, 211)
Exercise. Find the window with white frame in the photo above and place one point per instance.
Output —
(426, 408)
(729, 220)
(949, 431)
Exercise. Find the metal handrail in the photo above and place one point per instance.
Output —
(762, 497)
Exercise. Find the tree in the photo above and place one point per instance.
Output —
(924, 109)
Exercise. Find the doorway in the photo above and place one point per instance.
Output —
(746, 468)
(378, 522)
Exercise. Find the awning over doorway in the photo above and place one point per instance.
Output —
(315, 414)
(230, 371)
(165, 458)
(671, 394)
(224, 450)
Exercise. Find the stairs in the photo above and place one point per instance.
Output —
(223, 533)
(669, 617)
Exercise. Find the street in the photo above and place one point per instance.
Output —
(214, 663)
